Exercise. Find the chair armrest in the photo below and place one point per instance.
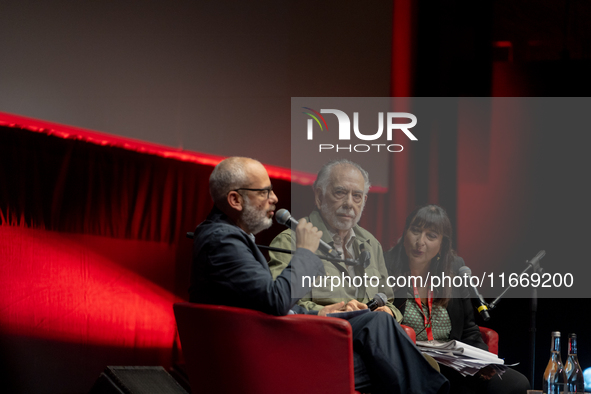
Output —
(227, 349)
(491, 338)
(410, 332)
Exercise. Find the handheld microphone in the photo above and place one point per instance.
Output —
(378, 301)
(482, 307)
(284, 217)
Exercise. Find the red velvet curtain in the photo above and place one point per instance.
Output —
(73, 186)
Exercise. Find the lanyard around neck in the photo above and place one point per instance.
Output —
(428, 322)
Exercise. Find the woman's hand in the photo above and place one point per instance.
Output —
(486, 373)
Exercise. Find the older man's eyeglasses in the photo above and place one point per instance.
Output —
(264, 191)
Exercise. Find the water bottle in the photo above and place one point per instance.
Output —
(574, 373)
(554, 376)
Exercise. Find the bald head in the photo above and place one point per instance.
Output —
(230, 174)
(241, 188)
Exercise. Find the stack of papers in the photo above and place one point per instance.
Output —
(462, 357)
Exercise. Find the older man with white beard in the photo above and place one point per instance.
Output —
(340, 192)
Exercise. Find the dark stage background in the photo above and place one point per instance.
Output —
(93, 250)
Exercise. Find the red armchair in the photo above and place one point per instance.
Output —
(231, 350)
(491, 338)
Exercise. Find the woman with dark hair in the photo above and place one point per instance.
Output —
(445, 313)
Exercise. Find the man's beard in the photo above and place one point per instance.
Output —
(337, 222)
(255, 219)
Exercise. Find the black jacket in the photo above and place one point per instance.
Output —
(229, 269)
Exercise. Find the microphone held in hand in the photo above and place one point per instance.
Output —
(284, 217)
(379, 300)
(482, 307)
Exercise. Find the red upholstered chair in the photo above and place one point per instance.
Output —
(491, 338)
(235, 350)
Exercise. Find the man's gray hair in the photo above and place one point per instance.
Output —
(228, 175)
(323, 177)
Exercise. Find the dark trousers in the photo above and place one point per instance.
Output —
(511, 382)
(386, 360)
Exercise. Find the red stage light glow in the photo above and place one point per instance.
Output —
(59, 286)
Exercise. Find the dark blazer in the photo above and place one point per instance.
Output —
(459, 308)
(229, 269)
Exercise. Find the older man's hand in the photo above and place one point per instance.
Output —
(385, 309)
(307, 236)
(332, 308)
(355, 305)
